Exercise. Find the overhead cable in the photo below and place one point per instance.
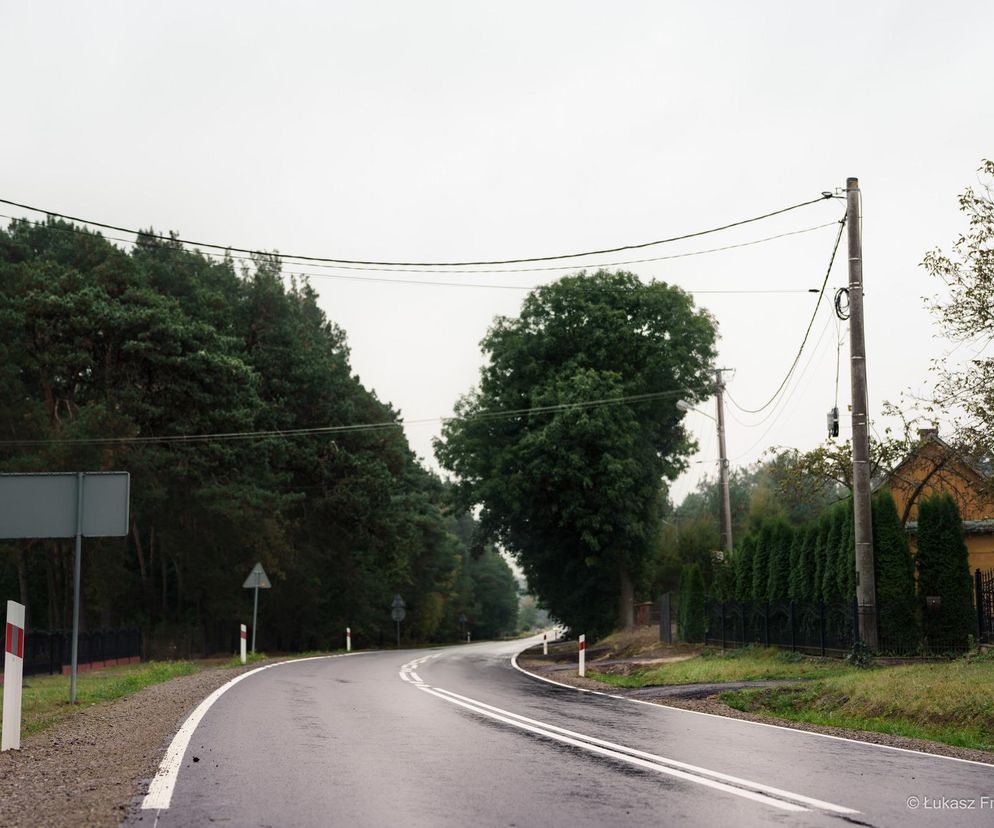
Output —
(807, 333)
(338, 260)
(354, 428)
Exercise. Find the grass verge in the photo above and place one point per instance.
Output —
(746, 664)
(948, 702)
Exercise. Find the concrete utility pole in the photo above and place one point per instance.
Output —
(866, 591)
(726, 503)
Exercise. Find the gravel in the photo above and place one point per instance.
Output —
(90, 768)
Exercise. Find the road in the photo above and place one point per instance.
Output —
(459, 736)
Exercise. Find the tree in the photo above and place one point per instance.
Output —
(832, 548)
(778, 585)
(802, 563)
(691, 624)
(567, 484)
(944, 572)
(766, 540)
(966, 315)
(894, 571)
(743, 563)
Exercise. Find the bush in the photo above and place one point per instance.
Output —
(944, 571)
(691, 622)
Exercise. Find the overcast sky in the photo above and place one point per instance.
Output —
(463, 130)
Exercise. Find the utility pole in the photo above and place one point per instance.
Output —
(726, 502)
(866, 591)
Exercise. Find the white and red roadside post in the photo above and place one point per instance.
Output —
(583, 656)
(545, 643)
(244, 636)
(348, 639)
(13, 671)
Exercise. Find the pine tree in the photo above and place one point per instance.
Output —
(819, 558)
(894, 571)
(761, 561)
(833, 540)
(845, 561)
(743, 568)
(779, 580)
(802, 563)
(944, 571)
(692, 607)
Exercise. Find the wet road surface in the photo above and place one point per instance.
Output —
(458, 736)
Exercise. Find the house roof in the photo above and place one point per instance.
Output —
(970, 527)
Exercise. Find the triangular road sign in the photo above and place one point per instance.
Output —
(257, 578)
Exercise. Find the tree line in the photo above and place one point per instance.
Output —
(815, 563)
(114, 359)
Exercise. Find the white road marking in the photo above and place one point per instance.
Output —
(667, 708)
(160, 791)
(755, 791)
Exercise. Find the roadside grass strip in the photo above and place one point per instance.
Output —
(744, 788)
(160, 790)
(45, 700)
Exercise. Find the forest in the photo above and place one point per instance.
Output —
(228, 395)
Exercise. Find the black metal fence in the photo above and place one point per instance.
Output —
(50, 652)
(984, 582)
(817, 628)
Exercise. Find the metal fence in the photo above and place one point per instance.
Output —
(984, 582)
(50, 652)
(817, 628)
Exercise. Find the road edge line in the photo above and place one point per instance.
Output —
(160, 789)
(519, 668)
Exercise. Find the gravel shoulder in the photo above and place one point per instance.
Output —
(88, 769)
(703, 699)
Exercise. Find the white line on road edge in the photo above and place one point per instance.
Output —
(667, 708)
(160, 791)
(619, 756)
(755, 791)
(672, 763)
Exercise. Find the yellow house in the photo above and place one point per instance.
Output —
(935, 467)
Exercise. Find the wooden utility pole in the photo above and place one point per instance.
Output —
(866, 591)
(726, 503)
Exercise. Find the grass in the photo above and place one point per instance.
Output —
(45, 700)
(746, 664)
(948, 702)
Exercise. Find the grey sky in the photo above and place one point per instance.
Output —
(441, 130)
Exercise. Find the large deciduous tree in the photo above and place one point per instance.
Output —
(567, 477)
(966, 314)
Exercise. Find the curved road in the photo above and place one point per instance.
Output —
(458, 736)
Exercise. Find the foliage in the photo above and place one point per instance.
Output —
(944, 572)
(894, 575)
(966, 315)
(571, 489)
(691, 624)
(101, 344)
(782, 539)
(766, 540)
(743, 564)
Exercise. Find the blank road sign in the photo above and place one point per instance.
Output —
(44, 505)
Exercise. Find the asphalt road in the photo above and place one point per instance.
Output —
(458, 736)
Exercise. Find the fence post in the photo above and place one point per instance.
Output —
(821, 626)
(979, 588)
(766, 625)
(665, 628)
(721, 609)
(793, 635)
(855, 621)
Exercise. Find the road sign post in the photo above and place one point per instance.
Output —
(583, 656)
(243, 635)
(398, 613)
(13, 669)
(257, 579)
(66, 505)
(348, 639)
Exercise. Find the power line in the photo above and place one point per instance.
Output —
(335, 260)
(807, 332)
(354, 428)
(222, 256)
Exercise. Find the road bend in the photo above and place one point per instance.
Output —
(459, 736)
